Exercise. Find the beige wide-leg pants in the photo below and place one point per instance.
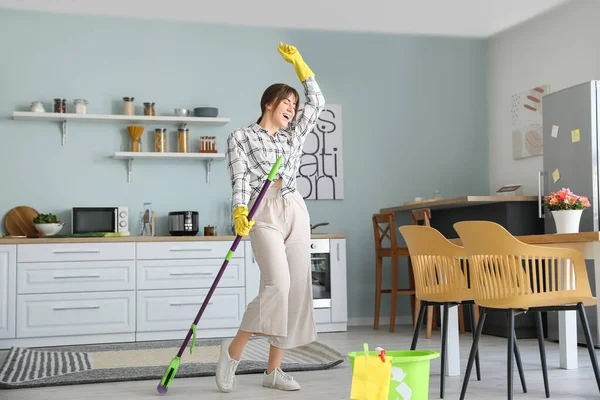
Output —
(280, 241)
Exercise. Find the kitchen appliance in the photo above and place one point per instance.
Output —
(183, 223)
(100, 219)
(320, 266)
(571, 134)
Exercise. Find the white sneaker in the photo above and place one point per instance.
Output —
(226, 367)
(278, 379)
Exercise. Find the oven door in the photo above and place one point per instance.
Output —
(94, 219)
(321, 274)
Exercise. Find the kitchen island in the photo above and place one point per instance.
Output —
(79, 290)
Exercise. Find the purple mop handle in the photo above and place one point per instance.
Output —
(231, 251)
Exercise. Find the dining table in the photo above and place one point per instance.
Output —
(588, 243)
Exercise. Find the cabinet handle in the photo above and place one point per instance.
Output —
(76, 308)
(75, 251)
(338, 251)
(191, 273)
(190, 249)
(75, 276)
(189, 304)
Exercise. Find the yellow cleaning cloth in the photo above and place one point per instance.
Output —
(371, 378)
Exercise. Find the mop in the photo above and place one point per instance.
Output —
(171, 370)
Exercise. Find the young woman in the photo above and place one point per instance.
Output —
(280, 230)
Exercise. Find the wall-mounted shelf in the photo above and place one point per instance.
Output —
(129, 156)
(132, 119)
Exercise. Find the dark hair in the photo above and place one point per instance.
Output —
(275, 94)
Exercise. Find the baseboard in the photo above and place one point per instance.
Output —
(383, 321)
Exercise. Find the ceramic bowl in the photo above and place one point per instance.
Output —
(49, 229)
(210, 112)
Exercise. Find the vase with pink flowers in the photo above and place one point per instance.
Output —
(566, 208)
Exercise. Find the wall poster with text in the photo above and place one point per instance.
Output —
(321, 172)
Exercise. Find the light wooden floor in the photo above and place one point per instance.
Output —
(335, 383)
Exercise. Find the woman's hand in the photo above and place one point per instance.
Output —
(293, 56)
(240, 217)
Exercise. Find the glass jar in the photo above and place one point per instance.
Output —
(128, 106)
(183, 140)
(149, 108)
(80, 106)
(136, 144)
(37, 106)
(160, 143)
(60, 105)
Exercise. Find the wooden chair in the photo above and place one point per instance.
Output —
(384, 228)
(423, 215)
(511, 276)
(442, 278)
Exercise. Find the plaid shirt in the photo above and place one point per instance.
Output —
(252, 152)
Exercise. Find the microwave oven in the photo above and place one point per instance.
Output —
(100, 219)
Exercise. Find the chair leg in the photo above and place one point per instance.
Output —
(540, 335)
(461, 319)
(509, 354)
(394, 294)
(419, 325)
(517, 354)
(430, 315)
(474, 351)
(378, 279)
(417, 312)
(473, 324)
(588, 338)
(414, 302)
(444, 349)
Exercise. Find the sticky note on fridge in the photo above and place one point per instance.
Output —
(575, 136)
(554, 131)
(555, 175)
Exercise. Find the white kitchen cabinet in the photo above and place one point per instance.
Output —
(175, 310)
(339, 297)
(60, 252)
(75, 276)
(68, 314)
(8, 284)
(109, 291)
(183, 250)
(188, 273)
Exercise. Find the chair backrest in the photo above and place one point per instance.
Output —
(506, 272)
(421, 214)
(439, 266)
(383, 228)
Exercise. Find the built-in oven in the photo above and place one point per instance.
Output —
(320, 264)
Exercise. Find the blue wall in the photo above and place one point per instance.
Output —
(414, 117)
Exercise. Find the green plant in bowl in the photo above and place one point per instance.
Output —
(47, 224)
(46, 219)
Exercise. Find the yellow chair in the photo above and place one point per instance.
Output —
(441, 279)
(512, 276)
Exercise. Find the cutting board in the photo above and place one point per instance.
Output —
(19, 221)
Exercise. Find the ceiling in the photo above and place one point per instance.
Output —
(470, 18)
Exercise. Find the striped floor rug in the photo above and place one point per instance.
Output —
(25, 368)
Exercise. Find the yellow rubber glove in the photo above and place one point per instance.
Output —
(240, 217)
(292, 55)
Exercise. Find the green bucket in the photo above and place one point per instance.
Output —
(410, 372)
